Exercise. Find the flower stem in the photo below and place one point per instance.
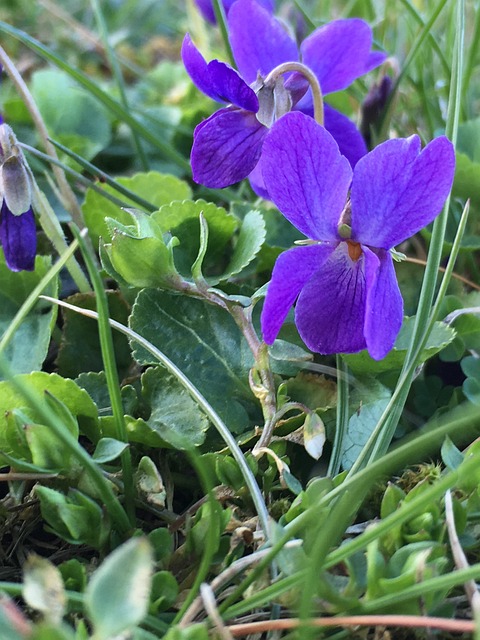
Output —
(308, 74)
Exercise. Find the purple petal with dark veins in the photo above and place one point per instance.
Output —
(217, 79)
(292, 270)
(197, 68)
(384, 310)
(397, 190)
(18, 238)
(305, 175)
(330, 309)
(339, 52)
(259, 41)
(226, 147)
(230, 87)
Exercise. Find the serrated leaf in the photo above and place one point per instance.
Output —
(205, 343)
(174, 415)
(157, 188)
(117, 596)
(181, 219)
(29, 346)
(439, 338)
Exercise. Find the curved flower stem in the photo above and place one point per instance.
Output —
(308, 74)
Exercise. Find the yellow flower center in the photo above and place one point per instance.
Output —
(354, 250)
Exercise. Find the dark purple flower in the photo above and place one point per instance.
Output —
(18, 237)
(17, 222)
(206, 7)
(344, 281)
(227, 147)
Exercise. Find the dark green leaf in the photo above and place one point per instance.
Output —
(204, 342)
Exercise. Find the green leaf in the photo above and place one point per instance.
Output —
(70, 113)
(471, 386)
(181, 219)
(80, 345)
(108, 449)
(451, 455)
(164, 591)
(198, 337)
(157, 188)
(174, 415)
(142, 262)
(118, 593)
(439, 338)
(363, 422)
(249, 243)
(467, 179)
(75, 399)
(76, 518)
(29, 346)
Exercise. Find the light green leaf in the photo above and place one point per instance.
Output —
(75, 399)
(181, 219)
(117, 596)
(157, 188)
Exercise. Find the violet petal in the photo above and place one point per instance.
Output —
(305, 175)
(18, 238)
(339, 52)
(349, 139)
(257, 182)
(397, 189)
(330, 309)
(384, 310)
(226, 147)
(291, 272)
(197, 68)
(259, 41)
(217, 79)
(230, 87)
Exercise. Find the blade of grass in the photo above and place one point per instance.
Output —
(111, 374)
(382, 435)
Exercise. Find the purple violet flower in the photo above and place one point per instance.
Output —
(206, 8)
(227, 146)
(343, 280)
(18, 235)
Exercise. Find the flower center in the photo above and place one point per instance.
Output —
(354, 250)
